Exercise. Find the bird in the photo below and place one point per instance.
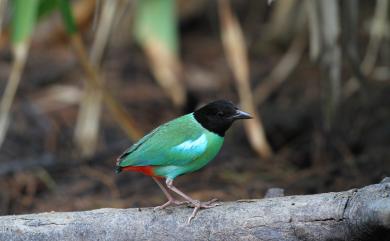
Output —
(180, 146)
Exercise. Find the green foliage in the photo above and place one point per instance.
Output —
(156, 19)
(46, 7)
(67, 16)
(24, 13)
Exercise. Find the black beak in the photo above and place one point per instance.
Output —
(242, 115)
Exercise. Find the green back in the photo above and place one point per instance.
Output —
(179, 146)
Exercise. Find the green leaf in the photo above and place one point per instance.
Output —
(23, 18)
(156, 19)
(67, 16)
(46, 7)
(65, 7)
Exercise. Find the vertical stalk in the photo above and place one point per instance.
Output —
(236, 53)
(324, 28)
(156, 31)
(118, 111)
(20, 52)
(87, 125)
(23, 19)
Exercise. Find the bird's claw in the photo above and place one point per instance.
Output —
(181, 202)
(197, 205)
(161, 207)
(209, 204)
(169, 203)
(212, 203)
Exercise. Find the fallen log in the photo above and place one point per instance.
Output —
(358, 214)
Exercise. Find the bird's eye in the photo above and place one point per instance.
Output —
(220, 113)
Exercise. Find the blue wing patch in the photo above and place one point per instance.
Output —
(192, 147)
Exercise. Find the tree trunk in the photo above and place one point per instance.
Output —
(358, 214)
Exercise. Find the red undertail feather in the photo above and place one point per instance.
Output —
(147, 170)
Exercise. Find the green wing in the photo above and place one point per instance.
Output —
(177, 142)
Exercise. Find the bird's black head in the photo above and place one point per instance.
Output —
(219, 115)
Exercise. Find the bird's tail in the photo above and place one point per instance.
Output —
(118, 169)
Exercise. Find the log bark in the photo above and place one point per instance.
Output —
(358, 214)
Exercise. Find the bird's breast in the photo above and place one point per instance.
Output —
(214, 144)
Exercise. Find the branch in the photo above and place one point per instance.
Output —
(359, 214)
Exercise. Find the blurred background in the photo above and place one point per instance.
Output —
(82, 80)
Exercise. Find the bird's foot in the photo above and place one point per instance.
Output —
(197, 205)
(209, 204)
(169, 203)
(212, 203)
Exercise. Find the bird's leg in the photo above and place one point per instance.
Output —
(171, 200)
(196, 203)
